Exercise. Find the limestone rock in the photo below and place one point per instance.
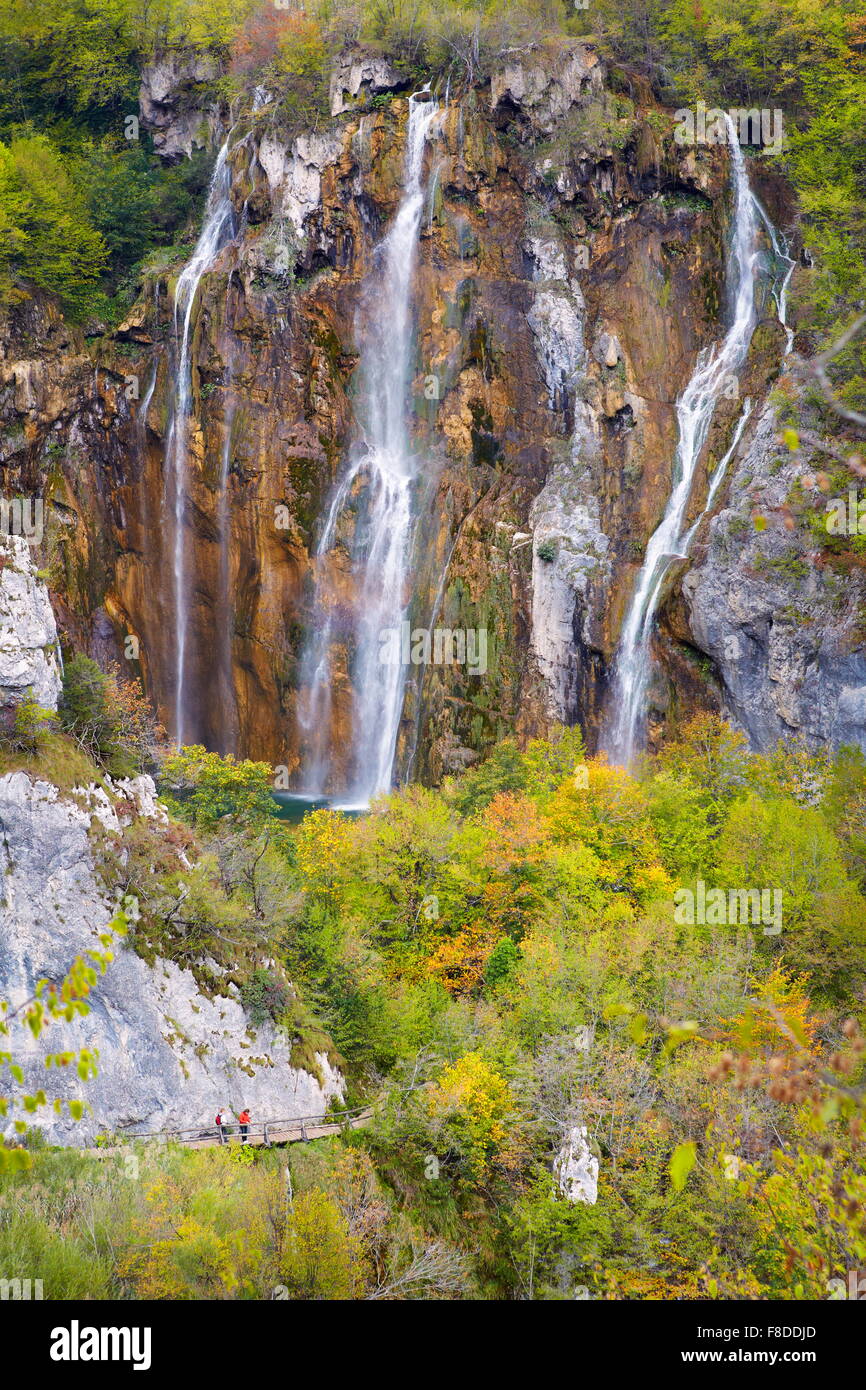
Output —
(576, 1168)
(358, 75)
(169, 1055)
(545, 91)
(28, 632)
(783, 634)
(170, 106)
(294, 174)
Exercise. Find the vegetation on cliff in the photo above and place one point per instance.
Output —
(545, 942)
(499, 961)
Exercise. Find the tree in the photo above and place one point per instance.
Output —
(108, 717)
(49, 237)
(203, 787)
(779, 845)
(31, 725)
(321, 1260)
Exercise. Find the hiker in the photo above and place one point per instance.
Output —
(244, 1122)
(222, 1120)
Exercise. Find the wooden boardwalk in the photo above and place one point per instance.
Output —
(297, 1130)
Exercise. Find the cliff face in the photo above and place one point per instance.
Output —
(169, 1053)
(781, 621)
(570, 268)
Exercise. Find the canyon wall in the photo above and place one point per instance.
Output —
(570, 269)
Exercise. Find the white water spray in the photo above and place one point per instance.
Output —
(216, 230)
(695, 408)
(379, 484)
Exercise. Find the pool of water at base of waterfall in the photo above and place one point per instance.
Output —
(293, 806)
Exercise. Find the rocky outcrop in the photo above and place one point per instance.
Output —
(29, 656)
(576, 1168)
(358, 76)
(776, 612)
(176, 102)
(536, 91)
(169, 1054)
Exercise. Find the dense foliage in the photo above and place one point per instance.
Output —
(498, 962)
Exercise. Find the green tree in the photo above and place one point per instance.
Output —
(50, 239)
(202, 787)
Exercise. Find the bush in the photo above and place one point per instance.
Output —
(264, 997)
(108, 717)
(30, 727)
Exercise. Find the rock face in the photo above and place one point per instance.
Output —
(169, 1055)
(28, 633)
(570, 269)
(781, 623)
(360, 75)
(576, 1168)
(541, 91)
(171, 103)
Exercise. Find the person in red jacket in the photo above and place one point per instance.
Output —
(244, 1122)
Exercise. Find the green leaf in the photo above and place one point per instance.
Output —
(638, 1028)
(683, 1161)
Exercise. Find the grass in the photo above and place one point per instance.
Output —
(59, 760)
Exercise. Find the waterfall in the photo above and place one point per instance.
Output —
(378, 490)
(779, 249)
(695, 408)
(217, 228)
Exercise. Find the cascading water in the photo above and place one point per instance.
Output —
(695, 409)
(217, 228)
(379, 485)
(780, 255)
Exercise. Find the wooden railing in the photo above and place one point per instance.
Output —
(273, 1131)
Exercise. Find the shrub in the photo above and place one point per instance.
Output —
(264, 997)
(108, 717)
(30, 727)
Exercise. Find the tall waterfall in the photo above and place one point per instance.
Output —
(217, 228)
(695, 407)
(378, 489)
